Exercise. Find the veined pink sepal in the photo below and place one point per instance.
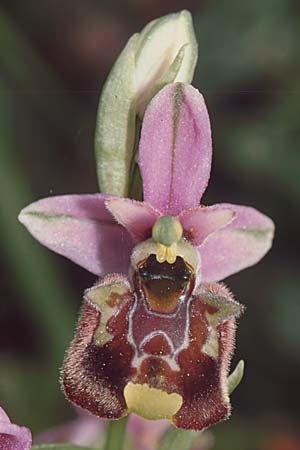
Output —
(81, 228)
(175, 149)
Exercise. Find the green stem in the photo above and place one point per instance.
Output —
(115, 435)
(177, 439)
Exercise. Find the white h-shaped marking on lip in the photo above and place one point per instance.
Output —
(139, 354)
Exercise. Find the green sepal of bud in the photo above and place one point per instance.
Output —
(115, 127)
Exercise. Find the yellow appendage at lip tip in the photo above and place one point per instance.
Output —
(151, 403)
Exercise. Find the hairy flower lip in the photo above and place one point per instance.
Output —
(198, 359)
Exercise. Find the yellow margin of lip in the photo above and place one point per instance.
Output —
(151, 403)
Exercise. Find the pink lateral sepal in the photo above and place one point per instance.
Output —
(81, 228)
(239, 245)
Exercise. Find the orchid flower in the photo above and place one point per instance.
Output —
(156, 331)
(13, 437)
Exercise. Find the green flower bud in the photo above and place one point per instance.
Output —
(165, 51)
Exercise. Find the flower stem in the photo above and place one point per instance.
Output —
(177, 439)
(115, 435)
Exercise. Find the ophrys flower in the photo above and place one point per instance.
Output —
(156, 332)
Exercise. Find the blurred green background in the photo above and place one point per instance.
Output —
(54, 58)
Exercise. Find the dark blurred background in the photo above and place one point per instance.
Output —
(54, 58)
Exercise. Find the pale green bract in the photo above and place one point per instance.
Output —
(236, 377)
(165, 51)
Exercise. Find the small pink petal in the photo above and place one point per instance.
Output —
(137, 217)
(239, 245)
(80, 228)
(84, 430)
(13, 437)
(175, 149)
(200, 222)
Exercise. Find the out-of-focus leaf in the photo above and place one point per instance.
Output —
(34, 76)
(41, 288)
(266, 40)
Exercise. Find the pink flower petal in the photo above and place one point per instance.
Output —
(84, 430)
(200, 222)
(13, 437)
(175, 149)
(137, 217)
(239, 245)
(146, 433)
(82, 229)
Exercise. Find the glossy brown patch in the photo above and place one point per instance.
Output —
(164, 283)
